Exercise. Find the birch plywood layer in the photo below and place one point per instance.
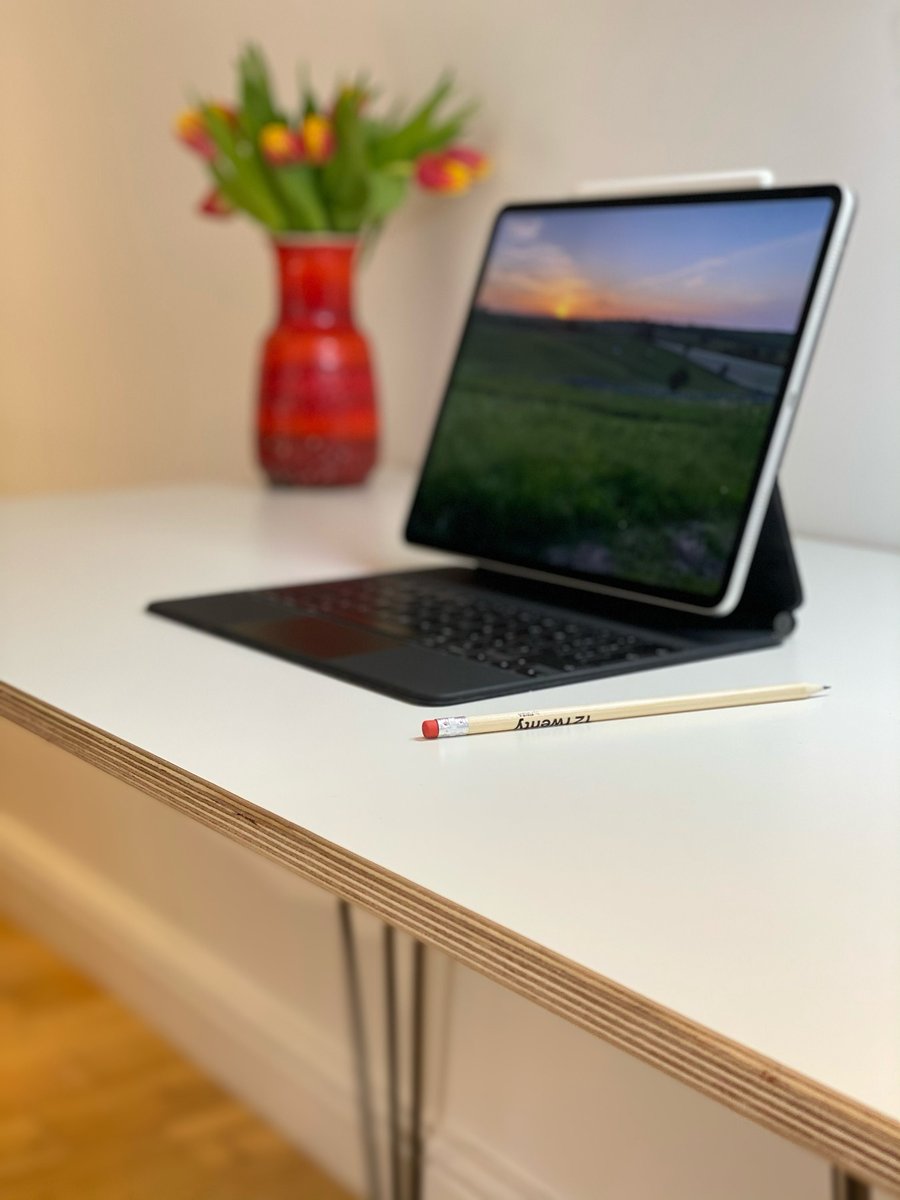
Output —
(715, 893)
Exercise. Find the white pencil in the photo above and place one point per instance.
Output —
(550, 718)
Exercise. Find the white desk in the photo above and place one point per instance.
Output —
(717, 893)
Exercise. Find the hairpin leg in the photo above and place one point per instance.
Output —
(390, 1005)
(360, 1052)
(845, 1187)
(418, 1071)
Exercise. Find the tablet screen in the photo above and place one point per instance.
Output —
(616, 386)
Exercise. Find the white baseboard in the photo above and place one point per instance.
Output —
(460, 1167)
(258, 1047)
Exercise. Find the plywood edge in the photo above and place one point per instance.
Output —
(854, 1137)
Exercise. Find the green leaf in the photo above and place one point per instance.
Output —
(387, 191)
(245, 197)
(239, 172)
(309, 105)
(219, 129)
(257, 106)
(296, 185)
(439, 136)
(345, 179)
(412, 138)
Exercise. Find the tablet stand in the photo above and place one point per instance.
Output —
(773, 589)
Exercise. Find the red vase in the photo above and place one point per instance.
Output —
(317, 420)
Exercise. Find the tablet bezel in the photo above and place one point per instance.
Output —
(729, 594)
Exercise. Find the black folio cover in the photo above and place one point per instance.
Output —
(423, 676)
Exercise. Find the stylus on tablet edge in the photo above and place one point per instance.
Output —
(550, 718)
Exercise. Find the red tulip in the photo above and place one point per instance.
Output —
(451, 170)
(317, 139)
(280, 145)
(439, 173)
(214, 204)
(190, 130)
(476, 162)
(226, 111)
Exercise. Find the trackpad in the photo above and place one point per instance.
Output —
(312, 637)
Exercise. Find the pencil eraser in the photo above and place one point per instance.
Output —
(430, 729)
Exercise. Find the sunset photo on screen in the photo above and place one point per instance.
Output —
(616, 383)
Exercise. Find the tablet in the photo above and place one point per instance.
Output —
(623, 390)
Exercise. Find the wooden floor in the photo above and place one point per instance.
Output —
(95, 1106)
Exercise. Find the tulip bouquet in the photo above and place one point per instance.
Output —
(331, 167)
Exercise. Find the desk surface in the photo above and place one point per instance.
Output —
(717, 893)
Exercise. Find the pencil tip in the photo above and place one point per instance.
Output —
(825, 687)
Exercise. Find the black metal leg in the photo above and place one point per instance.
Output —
(390, 1005)
(845, 1187)
(405, 1157)
(418, 1071)
(360, 1052)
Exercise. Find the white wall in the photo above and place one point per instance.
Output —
(130, 327)
(558, 1115)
